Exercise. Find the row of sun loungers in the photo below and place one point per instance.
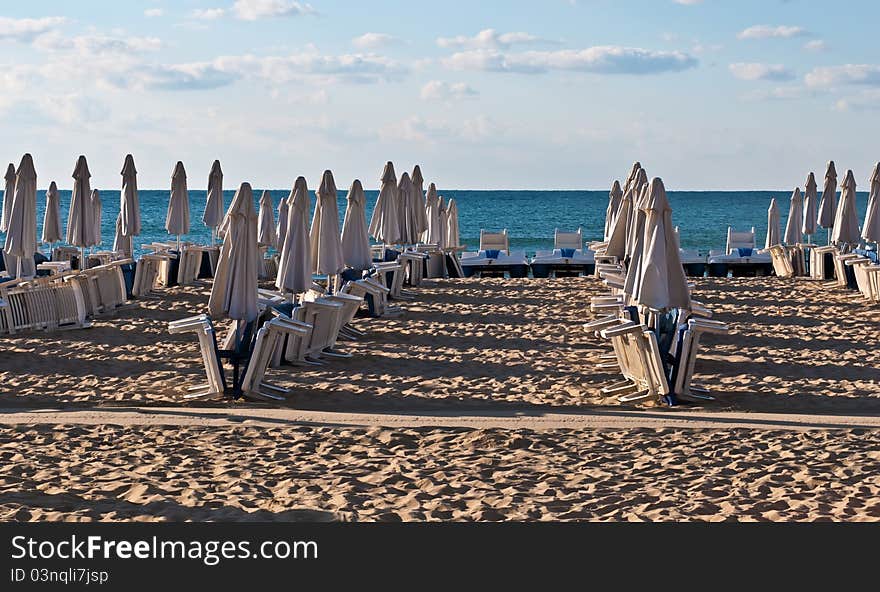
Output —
(495, 259)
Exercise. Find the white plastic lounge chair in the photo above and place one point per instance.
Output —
(270, 335)
(568, 257)
(740, 258)
(495, 257)
(41, 306)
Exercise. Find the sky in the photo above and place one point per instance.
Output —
(557, 94)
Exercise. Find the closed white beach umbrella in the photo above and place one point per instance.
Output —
(404, 201)
(639, 191)
(631, 177)
(234, 293)
(774, 225)
(295, 265)
(129, 205)
(433, 234)
(846, 222)
(8, 192)
(81, 218)
(266, 228)
(52, 216)
(213, 215)
(21, 227)
(871, 229)
(324, 236)
(355, 236)
(811, 203)
(384, 225)
(619, 231)
(828, 203)
(121, 242)
(281, 230)
(614, 198)
(177, 218)
(418, 221)
(662, 284)
(97, 211)
(795, 218)
(444, 219)
(452, 234)
(635, 242)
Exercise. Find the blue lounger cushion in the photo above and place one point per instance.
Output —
(567, 253)
(744, 252)
(492, 253)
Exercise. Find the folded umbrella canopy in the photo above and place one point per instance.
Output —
(635, 245)
(417, 219)
(638, 189)
(295, 265)
(384, 225)
(97, 208)
(266, 227)
(129, 207)
(52, 216)
(281, 230)
(811, 200)
(774, 225)
(177, 218)
(631, 177)
(404, 201)
(21, 228)
(619, 231)
(846, 222)
(828, 203)
(324, 236)
(795, 218)
(121, 243)
(614, 198)
(452, 235)
(355, 237)
(662, 284)
(8, 191)
(81, 218)
(434, 234)
(213, 215)
(871, 229)
(234, 293)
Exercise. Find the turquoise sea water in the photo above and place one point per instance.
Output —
(529, 216)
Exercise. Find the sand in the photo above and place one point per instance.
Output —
(473, 353)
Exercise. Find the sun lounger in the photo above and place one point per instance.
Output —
(495, 258)
(414, 266)
(268, 340)
(782, 262)
(694, 262)
(41, 306)
(568, 257)
(740, 258)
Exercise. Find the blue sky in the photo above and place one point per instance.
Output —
(711, 94)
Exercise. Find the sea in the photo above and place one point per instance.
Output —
(530, 217)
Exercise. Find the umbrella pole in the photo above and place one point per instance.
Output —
(18, 268)
(178, 243)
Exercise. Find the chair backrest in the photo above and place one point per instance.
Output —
(740, 239)
(495, 241)
(569, 240)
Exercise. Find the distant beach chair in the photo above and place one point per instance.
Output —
(495, 258)
(568, 257)
(740, 258)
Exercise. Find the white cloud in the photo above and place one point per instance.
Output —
(815, 45)
(27, 29)
(208, 14)
(689, 2)
(153, 12)
(768, 32)
(858, 74)
(96, 44)
(251, 10)
(373, 40)
(418, 129)
(598, 60)
(867, 100)
(74, 108)
(437, 90)
(489, 39)
(756, 71)
(780, 93)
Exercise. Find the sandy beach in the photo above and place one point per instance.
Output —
(466, 357)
